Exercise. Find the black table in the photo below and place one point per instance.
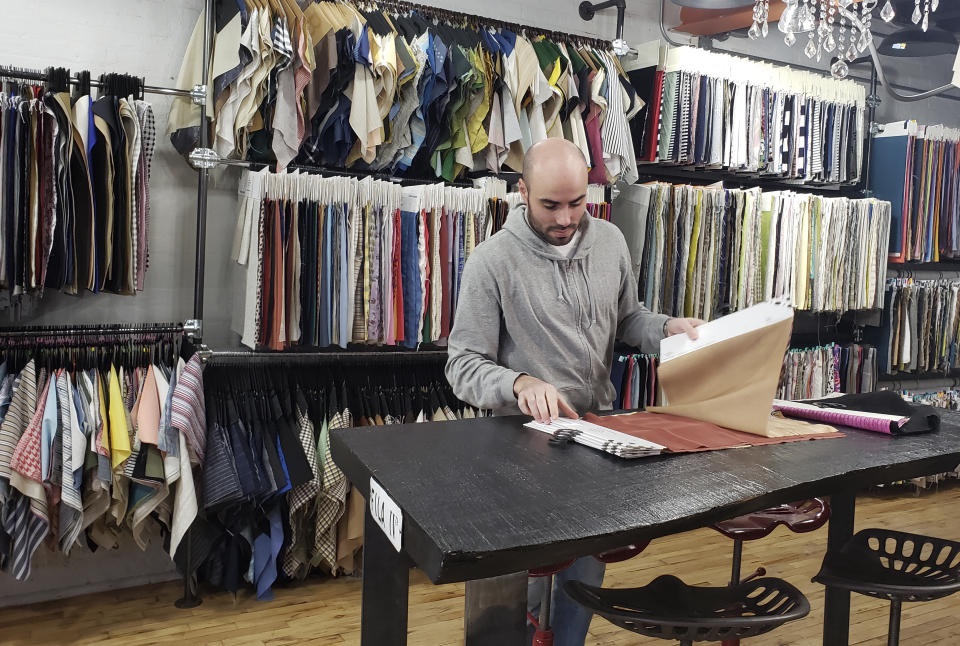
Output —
(486, 498)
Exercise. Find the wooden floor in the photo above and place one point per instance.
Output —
(328, 611)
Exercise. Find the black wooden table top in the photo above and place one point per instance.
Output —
(486, 497)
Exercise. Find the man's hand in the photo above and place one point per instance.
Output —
(683, 325)
(541, 400)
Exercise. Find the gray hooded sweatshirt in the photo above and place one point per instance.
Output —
(525, 308)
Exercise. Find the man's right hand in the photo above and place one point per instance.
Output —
(541, 400)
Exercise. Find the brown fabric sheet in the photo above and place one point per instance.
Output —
(731, 383)
(685, 435)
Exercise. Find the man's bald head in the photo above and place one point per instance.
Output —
(554, 188)
(553, 156)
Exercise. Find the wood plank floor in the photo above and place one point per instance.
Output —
(328, 611)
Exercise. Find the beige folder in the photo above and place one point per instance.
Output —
(731, 383)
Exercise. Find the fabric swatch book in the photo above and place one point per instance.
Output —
(730, 374)
(598, 437)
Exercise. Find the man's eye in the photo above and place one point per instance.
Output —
(551, 207)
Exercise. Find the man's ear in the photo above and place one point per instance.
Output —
(524, 193)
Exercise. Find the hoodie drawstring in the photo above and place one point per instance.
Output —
(559, 280)
(591, 309)
(591, 302)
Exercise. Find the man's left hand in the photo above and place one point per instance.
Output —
(683, 325)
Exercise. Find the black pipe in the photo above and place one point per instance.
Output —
(589, 9)
(203, 179)
(873, 100)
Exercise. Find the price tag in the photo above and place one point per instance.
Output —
(386, 513)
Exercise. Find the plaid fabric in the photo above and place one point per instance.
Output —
(296, 559)
(187, 408)
(331, 502)
(26, 457)
(22, 406)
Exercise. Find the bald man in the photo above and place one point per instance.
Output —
(540, 306)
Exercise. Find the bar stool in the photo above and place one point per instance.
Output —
(667, 608)
(799, 517)
(543, 635)
(896, 566)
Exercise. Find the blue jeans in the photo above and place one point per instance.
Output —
(568, 619)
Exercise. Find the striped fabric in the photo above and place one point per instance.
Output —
(71, 504)
(187, 409)
(685, 99)
(816, 144)
(30, 520)
(281, 43)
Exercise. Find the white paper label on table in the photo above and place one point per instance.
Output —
(727, 327)
(386, 514)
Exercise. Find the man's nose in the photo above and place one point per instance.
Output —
(565, 217)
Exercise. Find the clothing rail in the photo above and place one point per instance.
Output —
(656, 171)
(227, 357)
(322, 170)
(925, 272)
(84, 330)
(28, 75)
(919, 385)
(457, 16)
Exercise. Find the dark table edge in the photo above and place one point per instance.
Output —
(454, 567)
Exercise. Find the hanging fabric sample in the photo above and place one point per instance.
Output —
(404, 89)
(91, 444)
(634, 377)
(703, 251)
(918, 329)
(74, 189)
(818, 372)
(276, 505)
(917, 168)
(336, 260)
(745, 116)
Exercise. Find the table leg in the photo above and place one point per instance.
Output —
(836, 611)
(386, 582)
(495, 611)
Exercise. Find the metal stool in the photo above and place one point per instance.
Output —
(543, 635)
(896, 566)
(799, 517)
(667, 608)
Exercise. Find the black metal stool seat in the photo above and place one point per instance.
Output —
(670, 609)
(896, 566)
(891, 565)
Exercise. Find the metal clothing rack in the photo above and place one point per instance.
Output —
(324, 170)
(212, 357)
(919, 384)
(33, 75)
(94, 330)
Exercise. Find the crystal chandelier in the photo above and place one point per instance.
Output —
(833, 27)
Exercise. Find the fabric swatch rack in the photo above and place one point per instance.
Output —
(704, 250)
(918, 331)
(337, 260)
(405, 88)
(917, 168)
(75, 207)
(275, 505)
(812, 373)
(753, 118)
(92, 438)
